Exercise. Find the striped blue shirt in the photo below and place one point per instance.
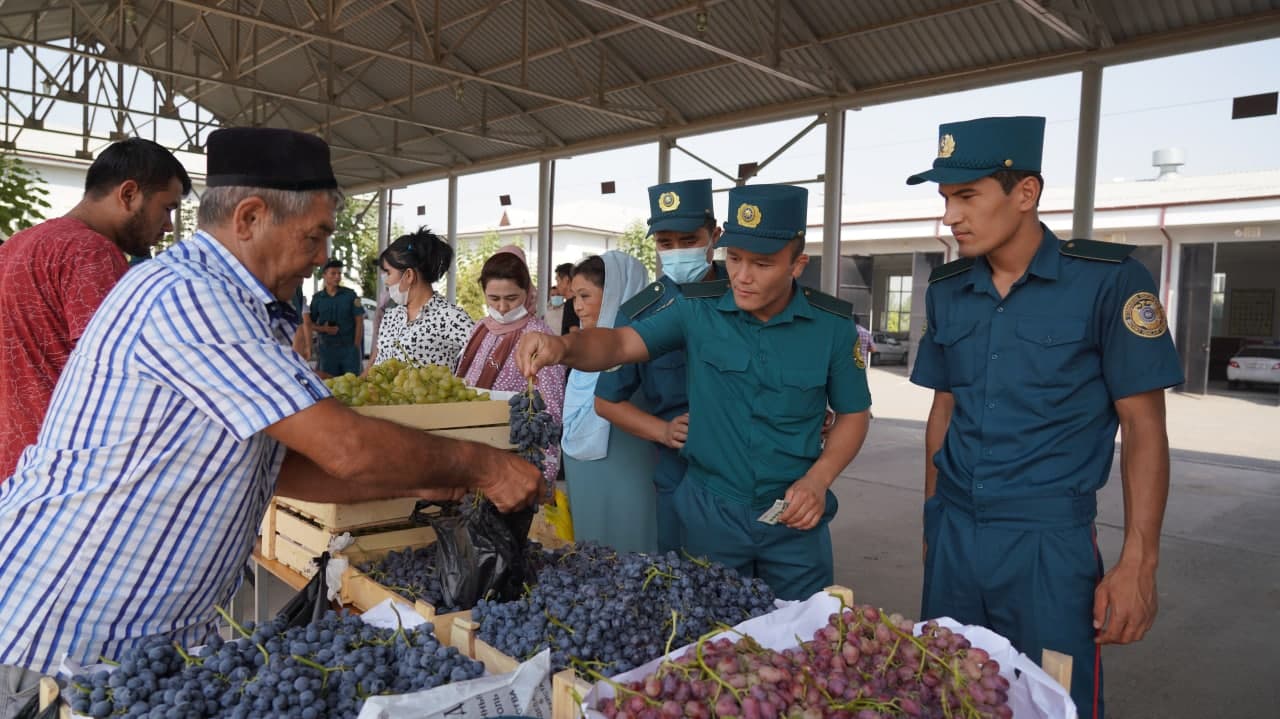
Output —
(137, 507)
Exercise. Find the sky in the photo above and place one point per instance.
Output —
(1181, 101)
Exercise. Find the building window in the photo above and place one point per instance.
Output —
(1219, 300)
(897, 313)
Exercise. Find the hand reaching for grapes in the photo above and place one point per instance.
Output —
(806, 499)
(506, 480)
(677, 432)
(537, 350)
(1124, 604)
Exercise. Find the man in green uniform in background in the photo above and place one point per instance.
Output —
(338, 317)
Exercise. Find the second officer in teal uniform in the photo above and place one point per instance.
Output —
(1037, 350)
(764, 359)
(683, 224)
(338, 317)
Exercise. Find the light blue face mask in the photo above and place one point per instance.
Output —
(557, 301)
(685, 265)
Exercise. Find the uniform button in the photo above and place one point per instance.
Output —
(995, 355)
(1000, 309)
(991, 405)
(979, 485)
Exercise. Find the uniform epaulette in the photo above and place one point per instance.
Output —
(642, 299)
(701, 290)
(1095, 250)
(951, 269)
(824, 301)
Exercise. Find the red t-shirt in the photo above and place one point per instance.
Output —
(52, 278)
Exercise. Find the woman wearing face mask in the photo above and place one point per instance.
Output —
(609, 473)
(488, 360)
(423, 328)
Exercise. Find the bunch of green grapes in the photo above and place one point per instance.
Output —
(395, 382)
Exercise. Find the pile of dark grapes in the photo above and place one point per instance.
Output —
(533, 428)
(616, 611)
(325, 669)
(861, 665)
(414, 573)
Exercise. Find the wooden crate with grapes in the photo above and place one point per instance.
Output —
(426, 398)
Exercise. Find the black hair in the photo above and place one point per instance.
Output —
(143, 161)
(797, 246)
(331, 264)
(565, 270)
(1009, 179)
(593, 269)
(422, 251)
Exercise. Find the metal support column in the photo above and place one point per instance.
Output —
(664, 159)
(546, 201)
(833, 195)
(452, 238)
(1087, 150)
(384, 230)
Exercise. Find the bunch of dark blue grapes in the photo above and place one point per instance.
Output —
(325, 669)
(414, 573)
(615, 611)
(533, 428)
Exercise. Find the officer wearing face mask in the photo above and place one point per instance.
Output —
(683, 225)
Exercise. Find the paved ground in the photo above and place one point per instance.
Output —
(1212, 652)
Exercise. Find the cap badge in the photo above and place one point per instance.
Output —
(748, 216)
(668, 202)
(946, 146)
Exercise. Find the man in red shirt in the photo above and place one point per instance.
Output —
(54, 275)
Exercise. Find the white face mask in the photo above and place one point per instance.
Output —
(512, 316)
(397, 295)
(557, 301)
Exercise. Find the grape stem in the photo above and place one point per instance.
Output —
(697, 652)
(241, 631)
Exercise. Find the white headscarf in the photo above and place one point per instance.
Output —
(586, 435)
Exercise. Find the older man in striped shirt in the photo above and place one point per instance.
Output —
(181, 411)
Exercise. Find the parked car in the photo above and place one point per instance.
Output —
(888, 349)
(1259, 364)
(370, 308)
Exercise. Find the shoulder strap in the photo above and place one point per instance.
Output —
(1095, 250)
(642, 299)
(824, 301)
(951, 269)
(702, 290)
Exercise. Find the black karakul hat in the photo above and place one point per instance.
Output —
(268, 157)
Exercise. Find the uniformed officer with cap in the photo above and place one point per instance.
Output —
(683, 224)
(1037, 349)
(337, 315)
(765, 357)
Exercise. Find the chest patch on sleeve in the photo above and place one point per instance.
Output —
(1144, 316)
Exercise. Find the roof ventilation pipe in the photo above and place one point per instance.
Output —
(1168, 160)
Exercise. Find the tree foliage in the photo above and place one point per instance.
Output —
(635, 242)
(355, 242)
(470, 260)
(22, 195)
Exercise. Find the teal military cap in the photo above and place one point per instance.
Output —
(680, 206)
(974, 149)
(764, 218)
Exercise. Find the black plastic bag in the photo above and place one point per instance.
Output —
(481, 552)
(32, 709)
(309, 604)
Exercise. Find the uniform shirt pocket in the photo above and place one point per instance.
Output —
(1053, 348)
(959, 351)
(802, 393)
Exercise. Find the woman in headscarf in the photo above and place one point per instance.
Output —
(609, 474)
(488, 360)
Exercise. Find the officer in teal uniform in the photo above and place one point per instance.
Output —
(683, 224)
(1037, 350)
(337, 316)
(764, 359)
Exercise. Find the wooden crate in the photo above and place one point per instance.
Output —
(567, 688)
(294, 539)
(363, 592)
(485, 422)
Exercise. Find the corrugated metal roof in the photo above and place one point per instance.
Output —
(597, 77)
